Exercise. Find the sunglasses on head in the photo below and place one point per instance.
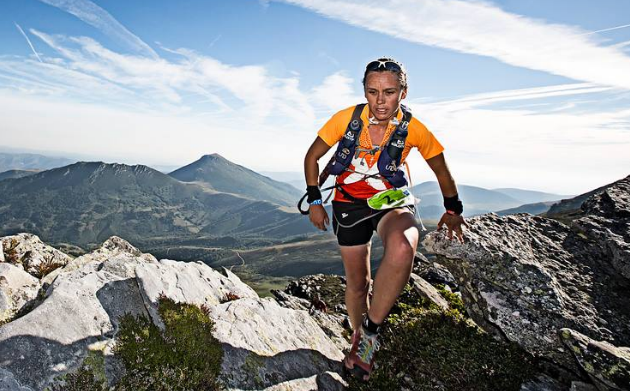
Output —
(384, 64)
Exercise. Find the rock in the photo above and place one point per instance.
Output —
(36, 257)
(187, 282)
(542, 383)
(80, 313)
(1, 253)
(292, 302)
(607, 223)
(331, 290)
(436, 274)
(266, 345)
(581, 386)
(426, 290)
(607, 365)
(122, 259)
(8, 382)
(17, 289)
(525, 277)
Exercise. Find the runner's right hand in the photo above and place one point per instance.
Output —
(318, 216)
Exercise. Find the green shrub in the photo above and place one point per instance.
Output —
(424, 348)
(184, 356)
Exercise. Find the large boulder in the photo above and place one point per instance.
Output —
(607, 365)
(607, 224)
(36, 257)
(265, 345)
(17, 289)
(79, 314)
(525, 277)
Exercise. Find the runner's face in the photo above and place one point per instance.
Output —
(383, 93)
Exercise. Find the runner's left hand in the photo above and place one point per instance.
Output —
(453, 223)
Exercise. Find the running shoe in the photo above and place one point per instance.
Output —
(360, 360)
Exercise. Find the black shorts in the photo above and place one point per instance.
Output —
(355, 223)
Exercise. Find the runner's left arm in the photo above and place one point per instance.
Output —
(453, 222)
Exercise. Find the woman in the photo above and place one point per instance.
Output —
(374, 141)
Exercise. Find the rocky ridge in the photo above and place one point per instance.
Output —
(79, 307)
(543, 284)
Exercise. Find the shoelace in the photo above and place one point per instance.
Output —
(367, 347)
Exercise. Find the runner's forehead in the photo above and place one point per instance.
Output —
(382, 80)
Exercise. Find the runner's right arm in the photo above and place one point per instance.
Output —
(317, 213)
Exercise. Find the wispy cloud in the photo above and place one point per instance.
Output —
(86, 71)
(481, 28)
(536, 93)
(608, 29)
(28, 41)
(97, 17)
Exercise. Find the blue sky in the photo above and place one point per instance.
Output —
(532, 94)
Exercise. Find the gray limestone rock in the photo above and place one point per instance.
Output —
(189, 282)
(17, 289)
(607, 365)
(426, 290)
(607, 224)
(79, 314)
(331, 322)
(36, 257)
(525, 277)
(266, 345)
(9, 383)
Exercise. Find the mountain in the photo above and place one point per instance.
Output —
(218, 173)
(534, 208)
(571, 207)
(476, 200)
(16, 174)
(29, 161)
(85, 203)
(531, 196)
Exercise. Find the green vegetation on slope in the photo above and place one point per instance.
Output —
(424, 348)
(184, 356)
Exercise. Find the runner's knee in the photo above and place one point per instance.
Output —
(401, 247)
(358, 288)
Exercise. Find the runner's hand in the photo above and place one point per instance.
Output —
(318, 216)
(453, 223)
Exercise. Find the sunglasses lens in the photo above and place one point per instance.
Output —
(387, 65)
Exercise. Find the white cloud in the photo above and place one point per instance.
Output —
(558, 151)
(87, 71)
(335, 93)
(97, 17)
(481, 28)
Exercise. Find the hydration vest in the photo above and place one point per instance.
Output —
(390, 158)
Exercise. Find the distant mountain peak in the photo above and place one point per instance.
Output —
(220, 174)
(212, 156)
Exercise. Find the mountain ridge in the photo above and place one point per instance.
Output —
(220, 174)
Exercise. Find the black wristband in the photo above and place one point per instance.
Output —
(453, 203)
(313, 194)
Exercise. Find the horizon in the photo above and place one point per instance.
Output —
(542, 103)
(296, 175)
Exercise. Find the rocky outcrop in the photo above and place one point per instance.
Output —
(607, 225)
(608, 366)
(33, 255)
(17, 289)
(265, 345)
(525, 277)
